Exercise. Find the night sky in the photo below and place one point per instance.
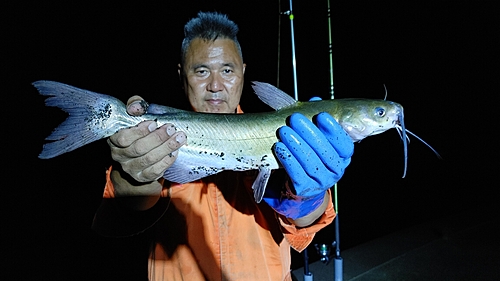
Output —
(440, 60)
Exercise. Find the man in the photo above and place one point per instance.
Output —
(213, 229)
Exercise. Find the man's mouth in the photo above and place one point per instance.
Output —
(215, 101)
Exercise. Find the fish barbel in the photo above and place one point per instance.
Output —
(216, 142)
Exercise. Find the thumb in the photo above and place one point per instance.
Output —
(136, 106)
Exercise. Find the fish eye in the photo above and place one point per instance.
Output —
(380, 112)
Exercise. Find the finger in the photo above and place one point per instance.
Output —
(316, 140)
(136, 109)
(152, 164)
(156, 154)
(135, 106)
(306, 156)
(134, 99)
(157, 170)
(336, 135)
(145, 144)
(149, 142)
(290, 164)
(126, 137)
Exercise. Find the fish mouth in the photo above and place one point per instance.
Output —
(396, 123)
(401, 128)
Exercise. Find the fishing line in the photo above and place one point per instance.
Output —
(290, 15)
(279, 45)
(338, 262)
(307, 275)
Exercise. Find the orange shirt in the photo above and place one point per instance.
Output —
(214, 230)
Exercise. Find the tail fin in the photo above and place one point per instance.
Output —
(90, 117)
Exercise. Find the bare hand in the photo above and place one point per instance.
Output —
(145, 151)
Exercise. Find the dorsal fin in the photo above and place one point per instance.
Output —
(272, 96)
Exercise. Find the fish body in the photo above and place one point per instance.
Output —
(216, 142)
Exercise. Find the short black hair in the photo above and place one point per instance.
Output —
(209, 26)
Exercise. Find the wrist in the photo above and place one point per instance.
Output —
(294, 207)
(127, 177)
(125, 185)
(313, 216)
(135, 197)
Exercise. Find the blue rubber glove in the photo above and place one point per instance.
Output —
(314, 157)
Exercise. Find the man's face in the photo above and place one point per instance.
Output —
(213, 73)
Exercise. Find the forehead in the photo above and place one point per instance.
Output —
(201, 51)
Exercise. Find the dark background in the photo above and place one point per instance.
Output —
(439, 59)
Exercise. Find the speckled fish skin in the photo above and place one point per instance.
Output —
(216, 142)
(243, 142)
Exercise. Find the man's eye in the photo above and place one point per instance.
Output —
(201, 72)
(227, 71)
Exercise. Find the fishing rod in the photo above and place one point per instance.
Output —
(323, 249)
(290, 15)
(338, 263)
(307, 274)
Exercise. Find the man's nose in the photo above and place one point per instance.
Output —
(216, 84)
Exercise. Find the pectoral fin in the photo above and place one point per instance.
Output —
(260, 183)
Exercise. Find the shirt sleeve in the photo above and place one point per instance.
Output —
(109, 189)
(300, 237)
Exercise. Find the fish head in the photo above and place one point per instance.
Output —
(364, 118)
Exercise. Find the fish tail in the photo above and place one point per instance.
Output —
(92, 116)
